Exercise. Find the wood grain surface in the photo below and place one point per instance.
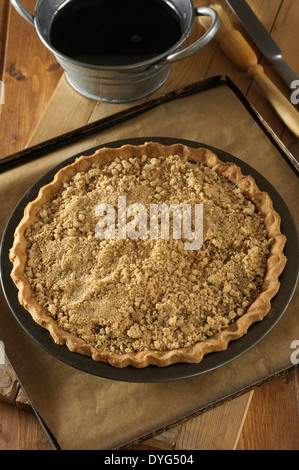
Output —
(269, 417)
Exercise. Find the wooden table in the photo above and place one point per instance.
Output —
(31, 74)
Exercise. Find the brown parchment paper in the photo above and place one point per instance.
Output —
(87, 412)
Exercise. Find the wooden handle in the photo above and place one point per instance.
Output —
(243, 56)
(279, 102)
(238, 50)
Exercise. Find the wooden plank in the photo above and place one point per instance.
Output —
(3, 29)
(20, 430)
(19, 121)
(217, 429)
(65, 111)
(29, 79)
(166, 440)
(262, 429)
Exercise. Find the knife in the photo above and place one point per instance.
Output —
(263, 40)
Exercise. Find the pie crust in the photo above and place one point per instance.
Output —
(169, 330)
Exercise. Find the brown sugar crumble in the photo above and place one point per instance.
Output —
(130, 295)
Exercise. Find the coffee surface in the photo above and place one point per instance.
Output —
(114, 32)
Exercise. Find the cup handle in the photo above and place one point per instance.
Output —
(201, 42)
(22, 11)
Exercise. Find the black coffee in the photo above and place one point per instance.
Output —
(114, 32)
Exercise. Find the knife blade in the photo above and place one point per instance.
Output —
(263, 40)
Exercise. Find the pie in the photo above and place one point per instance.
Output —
(146, 298)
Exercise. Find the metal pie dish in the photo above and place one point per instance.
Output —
(235, 349)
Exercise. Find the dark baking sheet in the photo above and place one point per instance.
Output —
(152, 373)
(62, 140)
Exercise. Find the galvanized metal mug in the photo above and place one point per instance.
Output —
(126, 82)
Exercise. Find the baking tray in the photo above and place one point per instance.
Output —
(39, 150)
(173, 372)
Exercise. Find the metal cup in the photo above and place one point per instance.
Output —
(126, 82)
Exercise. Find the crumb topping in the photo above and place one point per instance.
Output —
(129, 295)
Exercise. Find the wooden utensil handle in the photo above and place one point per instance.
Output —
(279, 102)
(238, 50)
(243, 56)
